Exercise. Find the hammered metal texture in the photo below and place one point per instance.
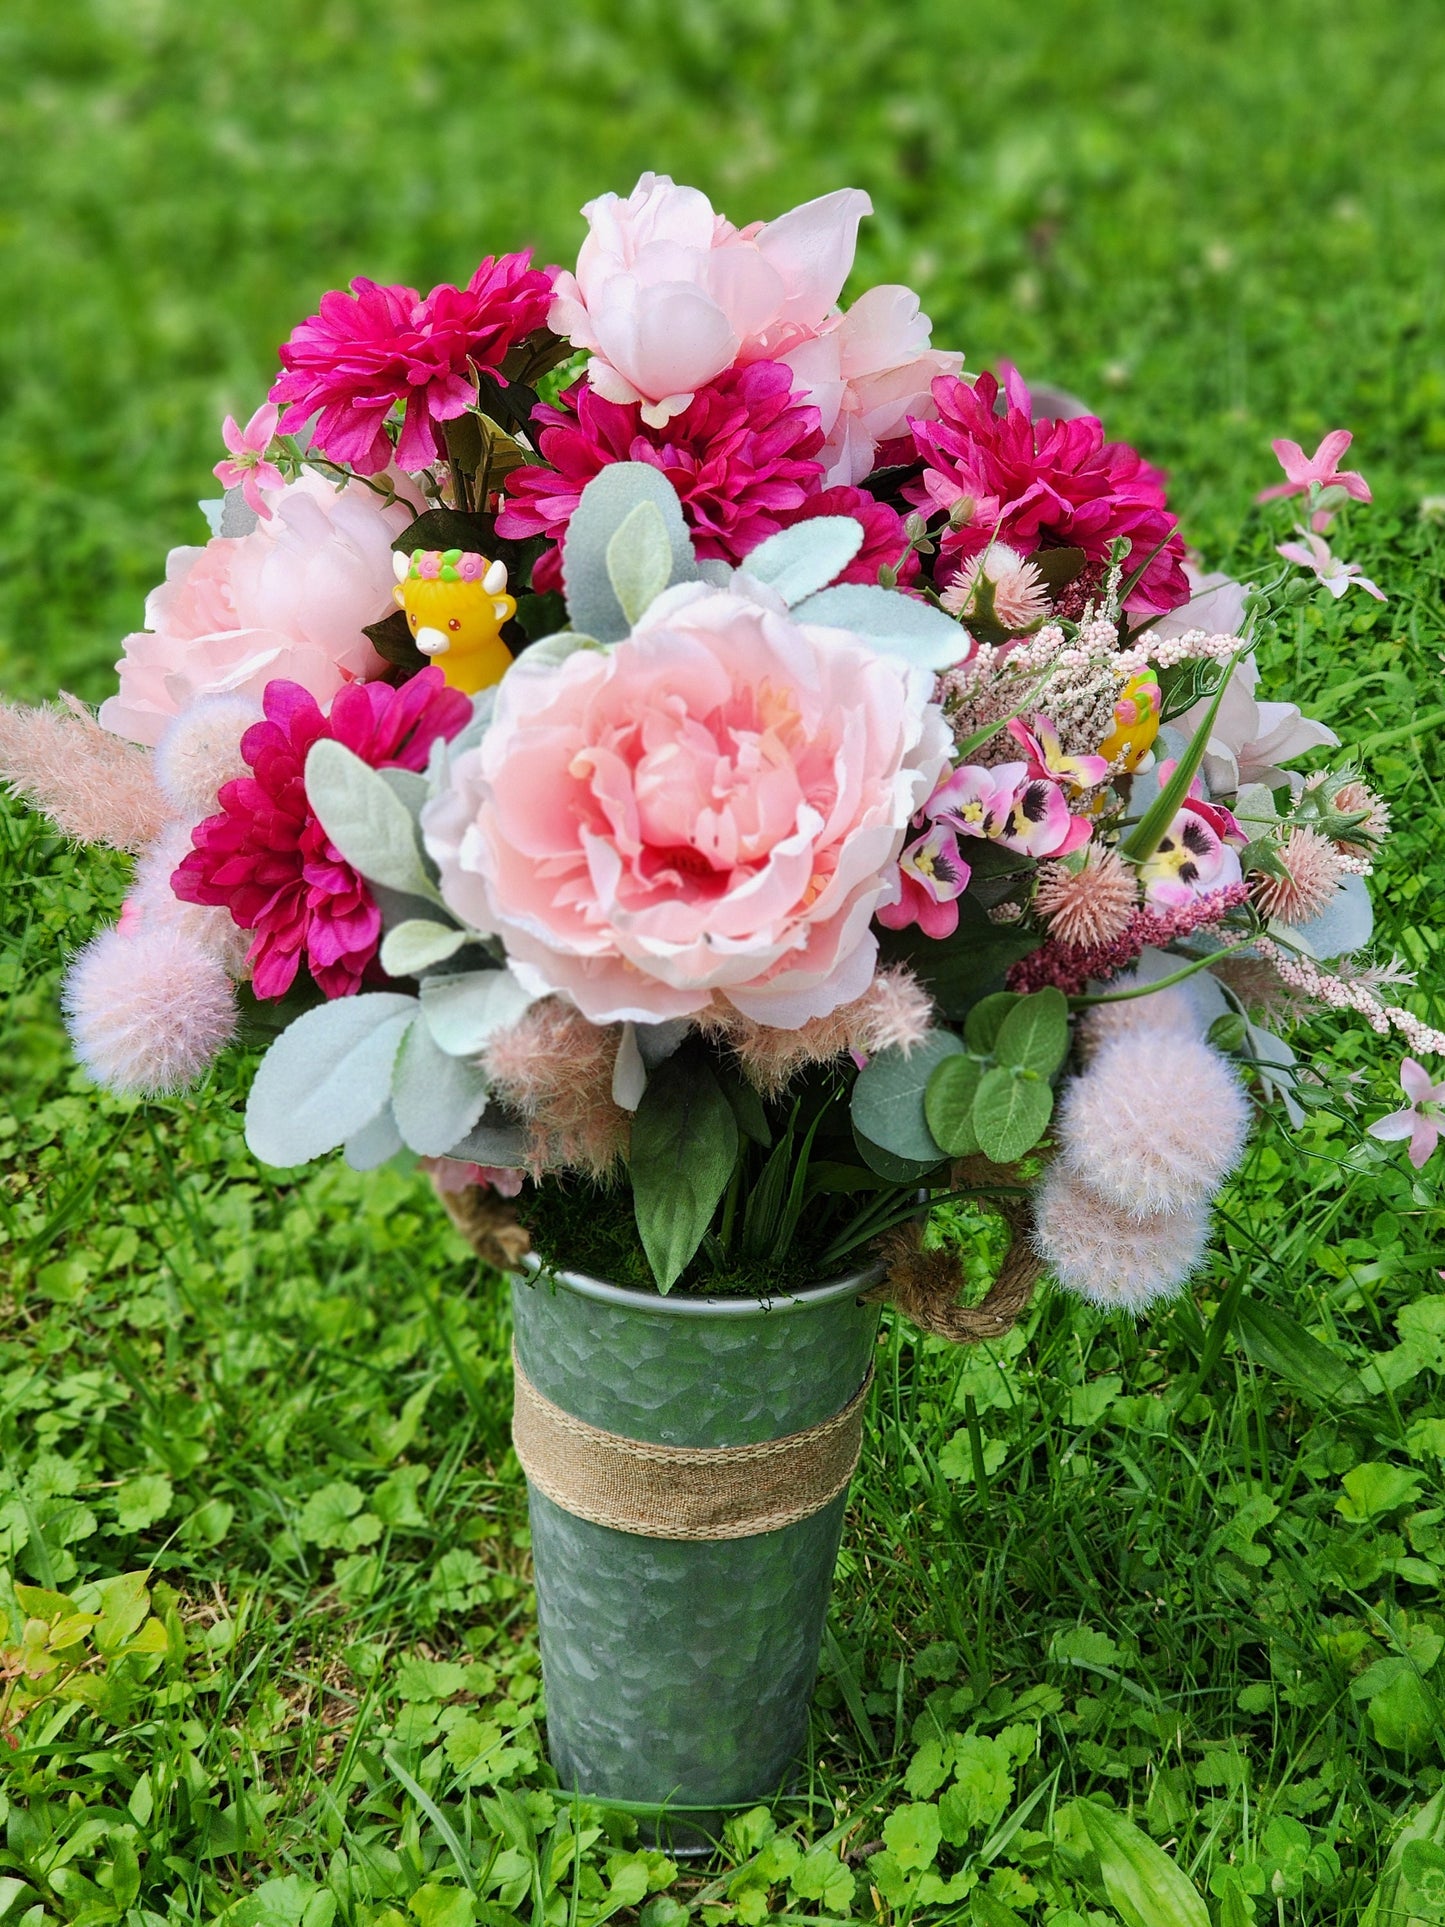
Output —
(681, 1672)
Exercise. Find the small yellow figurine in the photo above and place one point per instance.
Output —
(456, 603)
(1136, 721)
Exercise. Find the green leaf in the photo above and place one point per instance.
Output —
(798, 561)
(1010, 1113)
(436, 1097)
(983, 1023)
(1375, 1489)
(684, 1146)
(141, 1502)
(417, 944)
(124, 1603)
(895, 1169)
(948, 1104)
(1278, 1342)
(1149, 832)
(639, 559)
(1144, 1886)
(464, 1010)
(913, 1834)
(366, 820)
(959, 970)
(609, 498)
(325, 1077)
(1398, 1897)
(888, 1094)
(890, 620)
(444, 528)
(1035, 1034)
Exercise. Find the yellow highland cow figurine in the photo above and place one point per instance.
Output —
(455, 604)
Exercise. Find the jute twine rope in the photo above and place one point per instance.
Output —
(683, 1492)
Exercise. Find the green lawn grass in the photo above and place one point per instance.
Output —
(1189, 1572)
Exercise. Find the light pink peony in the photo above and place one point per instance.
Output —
(289, 600)
(713, 806)
(668, 294)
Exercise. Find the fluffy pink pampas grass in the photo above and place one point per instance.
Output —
(555, 1068)
(89, 783)
(1155, 1124)
(1171, 1011)
(147, 1012)
(201, 749)
(152, 901)
(893, 1013)
(1108, 1255)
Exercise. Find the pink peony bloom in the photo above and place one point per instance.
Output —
(1334, 575)
(248, 469)
(1304, 472)
(1011, 807)
(369, 350)
(265, 856)
(711, 808)
(932, 877)
(1420, 1119)
(740, 455)
(288, 601)
(1044, 484)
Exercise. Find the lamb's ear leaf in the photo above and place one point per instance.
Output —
(436, 1098)
(374, 1143)
(463, 1010)
(326, 1077)
(365, 818)
(417, 944)
(593, 605)
(797, 562)
(894, 622)
(639, 560)
(496, 1138)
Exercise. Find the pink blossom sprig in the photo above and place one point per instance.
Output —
(246, 467)
(1340, 993)
(1069, 967)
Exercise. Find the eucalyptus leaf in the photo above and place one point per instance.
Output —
(1345, 925)
(684, 1146)
(948, 1104)
(417, 944)
(326, 1077)
(798, 561)
(436, 1098)
(464, 1010)
(897, 623)
(984, 1021)
(593, 605)
(895, 1169)
(1035, 1033)
(1010, 1113)
(365, 818)
(375, 1143)
(639, 560)
(887, 1100)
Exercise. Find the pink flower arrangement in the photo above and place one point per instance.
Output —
(289, 601)
(247, 468)
(367, 352)
(1044, 484)
(711, 808)
(265, 856)
(932, 876)
(1320, 470)
(1008, 805)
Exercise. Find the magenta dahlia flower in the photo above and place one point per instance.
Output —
(377, 346)
(265, 856)
(740, 456)
(1044, 484)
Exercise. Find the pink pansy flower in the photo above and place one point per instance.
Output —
(1223, 822)
(1047, 758)
(711, 809)
(932, 877)
(1334, 575)
(1304, 472)
(1009, 806)
(1420, 1119)
(248, 469)
(1192, 860)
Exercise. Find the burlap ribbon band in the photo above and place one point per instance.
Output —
(680, 1491)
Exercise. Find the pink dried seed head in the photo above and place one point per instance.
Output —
(152, 902)
(1110, 1256)
(897, 1011)
(147, 1013)
(201, 749)
(1155, 1124)
(1172, 1010)
(90, 784)
(1091, 905)
(1350, 799)
(1313, 872)
(1013, 584)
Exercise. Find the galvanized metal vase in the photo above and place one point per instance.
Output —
(678, 1673)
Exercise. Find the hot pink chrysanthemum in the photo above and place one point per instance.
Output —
(368, 350)
(740, 456)
(266, 857)
(1044, 484)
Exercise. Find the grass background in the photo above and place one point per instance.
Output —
(1191, 1572)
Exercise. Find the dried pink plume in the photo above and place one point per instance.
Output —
(1090, 905)
(556, 1070)
(91, 785)
(1314, 870)
(1108, 1255)
(147, 1012)
(1348, 800)
(151, 902)
(1155, 1124)
(201, 749)
(895, 1012)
